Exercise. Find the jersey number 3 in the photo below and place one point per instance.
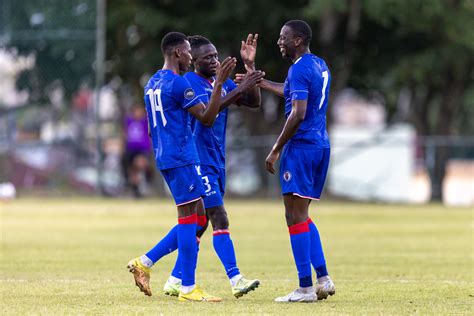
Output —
(156, 105)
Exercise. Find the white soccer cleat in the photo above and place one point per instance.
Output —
(325, 288)
(297, 296)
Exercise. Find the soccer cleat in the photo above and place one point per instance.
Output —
(325, 288)
(298, 296)
(172, 289)
(198, 295)
(243, 286)
(141, 275)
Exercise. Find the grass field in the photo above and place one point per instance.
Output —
(68, 257)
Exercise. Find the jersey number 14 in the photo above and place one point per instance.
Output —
(156, 106)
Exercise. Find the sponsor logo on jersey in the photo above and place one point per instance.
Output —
(287, 176)
(191, 187)
(189, 93)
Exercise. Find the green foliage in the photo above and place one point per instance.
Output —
(370, 45)
(61, 35)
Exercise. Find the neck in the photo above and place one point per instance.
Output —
(300, 53)
(172, 65)
(210, 79)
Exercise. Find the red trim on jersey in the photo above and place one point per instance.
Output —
(299, 228)
(221, 232)
(202, 220)
(309, 220)
(191, 219)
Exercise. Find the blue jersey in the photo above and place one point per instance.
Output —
(167, 98)
(309, 79)
(210, 141)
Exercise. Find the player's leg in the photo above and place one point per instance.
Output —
(187, 248)
(224, 248)
(214, 186)
(294, 177)
(296, 213)
(187, 201)
(173, 284)
(325, 286)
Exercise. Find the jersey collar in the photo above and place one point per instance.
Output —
(300, 58)
(210, 81)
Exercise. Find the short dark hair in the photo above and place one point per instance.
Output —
(171, 40)
(197, 41)
(301, 29)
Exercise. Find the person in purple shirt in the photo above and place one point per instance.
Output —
(137, 150)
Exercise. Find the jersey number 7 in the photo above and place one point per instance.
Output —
(325, 84)
(156, 106)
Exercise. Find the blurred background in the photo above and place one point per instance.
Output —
(400, 114)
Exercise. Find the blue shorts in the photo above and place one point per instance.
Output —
(213, 179)
(303, 171)
(185, 183)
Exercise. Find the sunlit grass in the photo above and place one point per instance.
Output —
(68, 257)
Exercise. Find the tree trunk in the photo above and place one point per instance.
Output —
(451, 99)
(352, 31)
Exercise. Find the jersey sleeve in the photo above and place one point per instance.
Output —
(200, 92)
(299, 82)
(185, 94)
(230, 85)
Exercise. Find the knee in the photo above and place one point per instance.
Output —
(294, 217)
(218, 217)
(203, 229)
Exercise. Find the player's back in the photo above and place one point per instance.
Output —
(309, 78)
(167, 98)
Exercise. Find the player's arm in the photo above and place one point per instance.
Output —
(242, 94)
(248, 52)
(273, 87)
(207, 115)
(298, 112)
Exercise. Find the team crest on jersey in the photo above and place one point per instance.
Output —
(189, 93)
(287, 176)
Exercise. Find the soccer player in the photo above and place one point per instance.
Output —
(169, 100)
(210, 143)
(304, 148)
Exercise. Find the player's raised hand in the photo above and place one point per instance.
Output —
(225, 68)
(238, 78)
(250, 80)
(270, 161)
(248, 51)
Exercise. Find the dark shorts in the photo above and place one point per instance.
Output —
(303, 171)
(185, 183)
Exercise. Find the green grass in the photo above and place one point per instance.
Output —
(69, 256)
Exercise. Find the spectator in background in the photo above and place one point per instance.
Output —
(137, 150)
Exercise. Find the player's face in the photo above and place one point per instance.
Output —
(185, 57)
(206, 60)
(286, 42)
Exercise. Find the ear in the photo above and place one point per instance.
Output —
(177, 52)
(298, 41)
